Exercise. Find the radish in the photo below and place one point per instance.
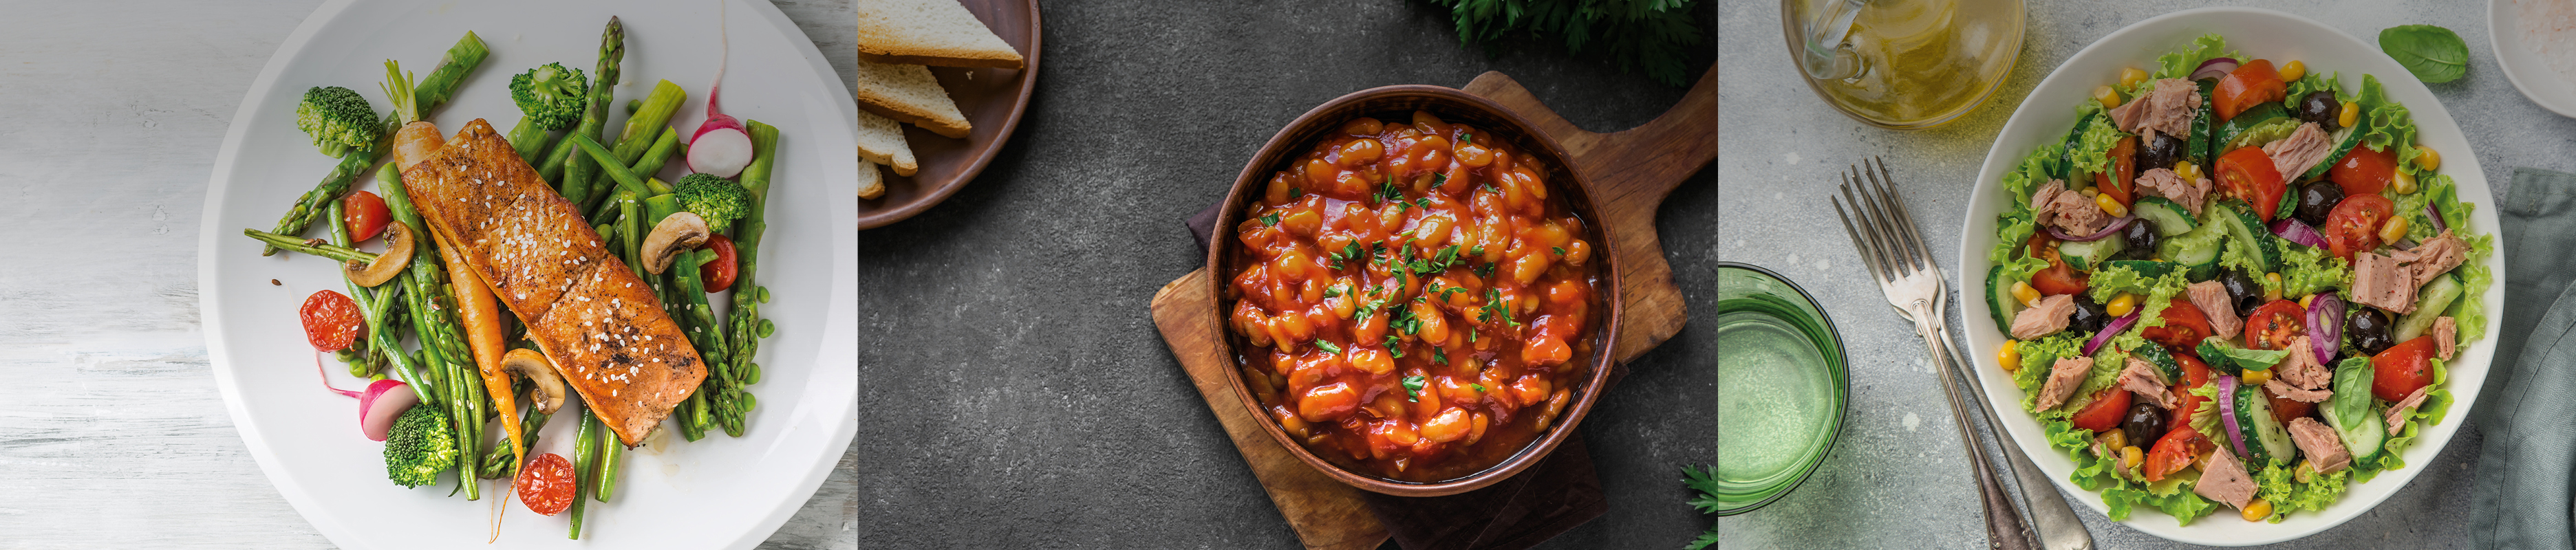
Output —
(383, 402)
(721, 147)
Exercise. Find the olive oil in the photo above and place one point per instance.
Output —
(1905, 64)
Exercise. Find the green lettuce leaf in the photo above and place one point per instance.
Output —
(2315, 81)
(2384, 121)
(2279, 485)
(2025, 179)
(2264, 133)
(2036, 358)
(2110, 282)
(2180, 63)
(2205, 419)
(2440, 192)
(2241, 259)
(2470, 311)
(2309, 270)
(2092, 152)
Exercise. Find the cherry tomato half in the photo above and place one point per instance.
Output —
(2252, 83)
(2363, 171)
(2274, 325)
(2059, 279)
(2175, 451)
(331, 321)
(2401, 368)
(2123, 170)
(546, 484)
(2194, 374)
(2105, 411)
(366, 214)
(2353, 226)
(718, 274)
(2247, 174)
(2184, 326)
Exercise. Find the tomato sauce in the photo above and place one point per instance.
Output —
(1412, 298)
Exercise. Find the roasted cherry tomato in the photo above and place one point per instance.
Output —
(2363, 171)
(2274, 325)
(546, 484)
(330, 320)
(366, 214)
(2059, 279)
(718, 274)
(2175, 451)
(2194, 374)
(2123, 170)
(2105, 411)
(2247, 174)
(2252, 83)
(2401, 369)
(2354, 225)
(2184, 326)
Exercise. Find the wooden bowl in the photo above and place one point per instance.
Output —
(1452, 105)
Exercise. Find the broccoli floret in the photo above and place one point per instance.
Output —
(338, 119)
(419, 447)
(552, 96)
(719, 200)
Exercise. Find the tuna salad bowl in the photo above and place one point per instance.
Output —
(2234, 287)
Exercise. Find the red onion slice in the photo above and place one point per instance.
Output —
(2227, 412)
(2325, 326)
(2215, 67)
(2434, 213)
(2298, 232)
(2116, 327)
(2116, 225)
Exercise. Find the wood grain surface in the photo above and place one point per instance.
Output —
(1631, 172)
(112, 434)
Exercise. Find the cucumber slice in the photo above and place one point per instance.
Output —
(2196, 149)
(2146, 268)
(2066, 154)
(2086, 255)
(2196, 251)
(2155, 354)
(2254, 421)
(2361, 436)
(2218, 360)
(2435, 298)
(2243, 229)
(2170, 218)
(2344, 140)
(2226, 132)
(1999, 299)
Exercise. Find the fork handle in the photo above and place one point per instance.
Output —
(2054, 523)
(2004, 527)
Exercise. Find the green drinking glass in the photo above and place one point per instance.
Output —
(1781, 387)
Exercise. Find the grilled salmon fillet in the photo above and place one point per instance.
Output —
(600, 323)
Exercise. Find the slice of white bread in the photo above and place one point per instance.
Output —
(881, 141)
(871, 182)
(930, 32)
(908, 93)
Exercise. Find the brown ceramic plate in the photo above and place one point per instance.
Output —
(1453, 105)
(992, 100)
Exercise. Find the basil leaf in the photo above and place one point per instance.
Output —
(2351, 399)
(2433, 53)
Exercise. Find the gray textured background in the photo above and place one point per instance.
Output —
(111, 431)
(1897, 479)
(1014, 389)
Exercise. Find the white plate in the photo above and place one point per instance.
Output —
(2263, 34)
(2522, 60)
(718, 492)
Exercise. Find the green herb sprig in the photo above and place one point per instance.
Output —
(1656, 35)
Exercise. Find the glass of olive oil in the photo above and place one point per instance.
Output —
(1904, 64)
(1781, 387)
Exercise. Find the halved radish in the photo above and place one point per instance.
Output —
(720, 147)
(385, 401)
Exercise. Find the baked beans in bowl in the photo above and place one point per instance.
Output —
(1415, 291)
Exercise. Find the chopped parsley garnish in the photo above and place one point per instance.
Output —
(1466, 138)
(1391, 347)
(1348, 252)
(1439, 179)
(1389, 192)
(1328, 346)
(1439, 356)
(1495, 307)
(1296, 192)
(1480, 388)
(1486, 270)
(1478, 251)
(1270, 220)
(1560, 251)
(1424, 202)
(1413, 388)
(1334, 291)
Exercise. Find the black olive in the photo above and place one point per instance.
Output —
(2144, 424)
(2141, 237)
(2241, 289)
(2318, 200)
(2320, 107)
(2089, 316)
(2163, 153)
(2369, 331)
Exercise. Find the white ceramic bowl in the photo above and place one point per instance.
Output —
(718, 492)
(2521, 60)
(2048, 113)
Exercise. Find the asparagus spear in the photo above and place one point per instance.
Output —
(584, 447)
(432, 314)
(745, 325)
(594, 120)
(611, 452)
(441, 85)
(651, 163)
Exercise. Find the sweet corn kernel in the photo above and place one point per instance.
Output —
(2272, 291)
(2293, 71)
(2257, 510)
(2426, 158)
(2303, 300)
(2022, 291)
(2109, 97)
(2115, 439)
(2130, 456)
(2404, 183)
(2121, 305)
(2305, 472)
(2351, 114)
(2187, 170)
(2256, 377)
(2110, 205)
(2394, 231)
(2010, 356)
(2132, 76)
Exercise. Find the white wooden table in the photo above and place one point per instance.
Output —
(111, 430)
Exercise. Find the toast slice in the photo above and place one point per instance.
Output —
(871, 181)
(907, 93)
(589, 312)
(881, 141)
(930, 32)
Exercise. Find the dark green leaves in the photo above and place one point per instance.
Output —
(1273, 220)
(1327, 346)
(1413, 388)
(1656, 35)
(1495, 307)
(1702, 480)
(2433, 53)
(1389, 192)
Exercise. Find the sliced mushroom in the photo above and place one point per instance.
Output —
(399, 241)
(677, 233)
(549, 385)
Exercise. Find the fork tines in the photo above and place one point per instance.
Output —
(1885, 234)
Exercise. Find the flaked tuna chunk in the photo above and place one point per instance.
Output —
(2211, 298)
(2148, 383)
(2434, 257)
(2405, 407)
(2383, 281)
(2295, 393)
(2069, 211)
(2324, 449)
(2446, 336)
(2225, 480)
(2305, 147)
(2046, 318)
(2063, 377)
(2163, 182)
(2166, 109)
(2301, 368)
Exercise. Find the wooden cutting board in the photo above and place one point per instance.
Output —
(1631, 173)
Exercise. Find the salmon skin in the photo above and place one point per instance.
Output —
(602, 325)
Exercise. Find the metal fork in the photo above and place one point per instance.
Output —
(1894, 251)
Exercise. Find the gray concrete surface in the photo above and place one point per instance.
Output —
(1014, 390)
(1898, 477)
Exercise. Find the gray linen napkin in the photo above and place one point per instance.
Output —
(2527, 408)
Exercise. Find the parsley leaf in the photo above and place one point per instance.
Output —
(1270, 220)
(1328, 346)
(1413, 388)
(1560, 251)
(1480, 388)
(1465, 138)
(1655, 36)
(1392, 348)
